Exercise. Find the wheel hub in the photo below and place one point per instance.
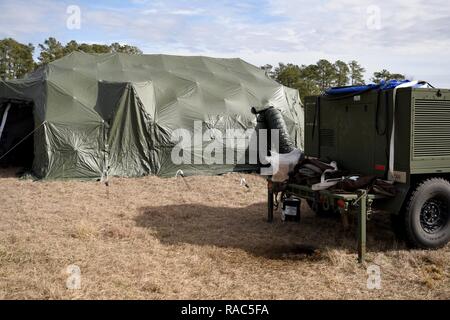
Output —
(433, 216)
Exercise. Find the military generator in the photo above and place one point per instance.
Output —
(400, 135)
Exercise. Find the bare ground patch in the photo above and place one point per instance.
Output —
(205, 237)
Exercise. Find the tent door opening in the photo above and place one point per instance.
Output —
(16, 122)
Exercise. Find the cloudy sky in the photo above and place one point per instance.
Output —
(406, 36)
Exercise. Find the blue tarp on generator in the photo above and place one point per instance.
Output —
(384, 85)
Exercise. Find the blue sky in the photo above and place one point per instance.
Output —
(406, 36)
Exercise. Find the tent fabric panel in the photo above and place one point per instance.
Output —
(64, 107)
(75, 151)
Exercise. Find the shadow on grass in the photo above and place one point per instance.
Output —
(247, 229)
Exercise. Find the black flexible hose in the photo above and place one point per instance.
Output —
(272, 118)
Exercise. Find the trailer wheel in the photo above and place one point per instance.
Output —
(427, 216)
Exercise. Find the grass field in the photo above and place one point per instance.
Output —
(198, 238)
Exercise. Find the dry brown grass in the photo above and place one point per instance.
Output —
(155, 238)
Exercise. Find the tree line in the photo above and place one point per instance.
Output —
(17, 60)
(314, 79)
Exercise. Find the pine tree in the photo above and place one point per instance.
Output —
(16, 59)
(51, 50)
(385, 75)
(342, 73)
(356, 73)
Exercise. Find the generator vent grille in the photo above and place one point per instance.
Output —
(431, 129)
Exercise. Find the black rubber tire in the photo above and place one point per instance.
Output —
(416, 235)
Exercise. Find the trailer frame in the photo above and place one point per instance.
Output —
(359, 202)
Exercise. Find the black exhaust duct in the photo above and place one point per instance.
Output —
(272, 118)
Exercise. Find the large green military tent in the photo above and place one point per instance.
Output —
(114, 113)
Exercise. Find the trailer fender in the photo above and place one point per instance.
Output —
(396, 204)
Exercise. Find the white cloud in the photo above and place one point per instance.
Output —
(187, 12)
(414, 37)
(20, 18)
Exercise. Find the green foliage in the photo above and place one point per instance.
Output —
(288, 74)
(314, 79)
(342, 73)
(303, 78)
(385, 75)
(356, 73)
(327, 74)
(116, 47)
(94, 48)
(52, 49)
(16, 59)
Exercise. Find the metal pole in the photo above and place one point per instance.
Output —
(270, 200)
(362, 220)
(3, 122)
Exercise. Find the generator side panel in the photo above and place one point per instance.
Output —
(354, 119)
(358, 126)
(430, 131)
(352, 131)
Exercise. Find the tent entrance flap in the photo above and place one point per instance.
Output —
(125, 109)
(16, 143)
